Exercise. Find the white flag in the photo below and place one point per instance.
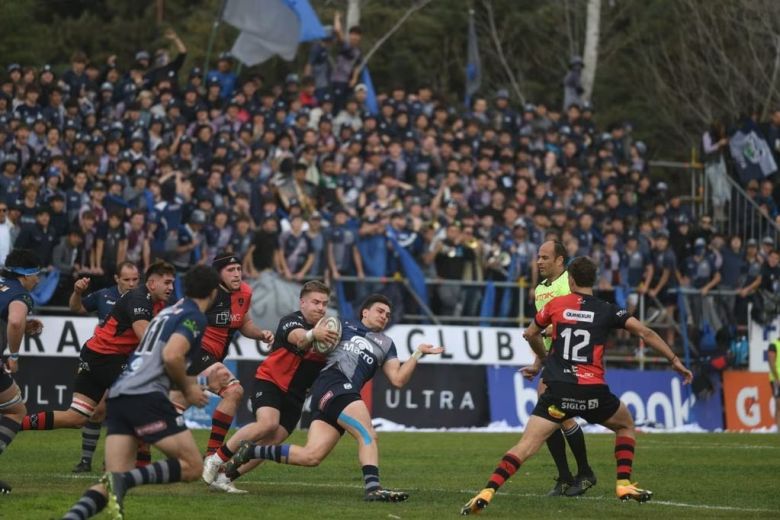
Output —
(268, 27)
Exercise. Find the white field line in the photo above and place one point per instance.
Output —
(436, 490)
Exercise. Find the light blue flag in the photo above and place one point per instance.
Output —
(311, 28)
(410, 267)
(488, 303)
(371, 102)
(346, 311)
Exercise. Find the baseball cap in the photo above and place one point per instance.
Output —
(767, 240)
(198, 217)
(141, 55)
(661, 233)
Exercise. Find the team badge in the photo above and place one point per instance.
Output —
(554, 412)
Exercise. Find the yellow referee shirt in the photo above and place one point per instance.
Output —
(546, 291)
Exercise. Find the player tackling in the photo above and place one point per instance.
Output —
(574, 373)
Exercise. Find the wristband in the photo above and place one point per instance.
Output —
(417, 355)
(13, 356)
(309, 336)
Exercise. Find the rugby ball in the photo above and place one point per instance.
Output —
(331, 323)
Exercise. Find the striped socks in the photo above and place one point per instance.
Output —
(161, 472)
(371, 478)
(624, 456)
(278, 453)
(90, 504)
(576, 439)
(38, 421)
(506, 468)
(8, 430)
(220, 424)
(90, 433)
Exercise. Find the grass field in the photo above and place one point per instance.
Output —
(692, 476)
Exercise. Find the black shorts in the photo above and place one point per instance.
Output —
(775, 389)
(97, 372)
(331, 393)
(149, 417)
(201, 363)
(289, 405)
(561, 401)
(6, 381)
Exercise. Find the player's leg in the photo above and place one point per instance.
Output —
(776, 394)
(82, 407)
(536, 433)
(622, 424)
(556, 443)
(223, 383)
(12, 411)
(585, 478)
(90, 434)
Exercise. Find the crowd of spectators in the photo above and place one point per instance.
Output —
(133, 160)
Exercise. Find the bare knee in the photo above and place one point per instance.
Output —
(191, 468)
(233, 392)
(311, 459)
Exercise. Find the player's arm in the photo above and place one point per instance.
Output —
(771, 358)
(139, 327)
(174, 357)
(651, 338)
(17, 319)
(252, 331)
(303, 338)
(75, 302)
(399, 373)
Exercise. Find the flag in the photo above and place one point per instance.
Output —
(488, 303)
(371, 103)
(410, 267)
(311, 28)
(346, 311)
(506, 298)
(473, 65)
(752, 155)
(373, 250)
(268, 27)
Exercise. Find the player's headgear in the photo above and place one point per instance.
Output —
(21, 262)
(224, 260)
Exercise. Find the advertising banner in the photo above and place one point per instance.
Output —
(748, 399)
(436, 397)
(654, 398)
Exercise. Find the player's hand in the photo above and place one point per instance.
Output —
(81, 285)
(531, 371)
(195, 395)
(426, 348)
(266, 336)
(33, 327)
(322, 333)
(11, 365)
(683, 371)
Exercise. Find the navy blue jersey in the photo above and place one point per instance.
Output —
(11, 290)
(101, 301)
(360, 353)
(146, 370)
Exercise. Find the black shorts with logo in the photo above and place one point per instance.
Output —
(561, 401)
(97, 372)
(201, 363)
(6, 381)
(266, 393)
(150, 417)
(331, 393)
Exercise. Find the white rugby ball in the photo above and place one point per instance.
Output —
(331, 323)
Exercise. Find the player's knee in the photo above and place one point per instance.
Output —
(191, 468)
(233, 391)
(312, 459)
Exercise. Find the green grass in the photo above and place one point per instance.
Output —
(692, 476)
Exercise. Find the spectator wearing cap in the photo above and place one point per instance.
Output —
(54, 112)
(348, 58)
(349, 116)
(10, 179)
(8, 232)
(224, 76)
(319, 65)
(699, 271)
(664, 275)
(39, 236)
(65, 260)
(681, 237)
(76, 196)
(572, 84)
(343, 256)
(502, 116)
(317, 239)
(767, 246)
(59, 216)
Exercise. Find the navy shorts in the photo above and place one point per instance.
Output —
(268, 394)
(97, 372)
(561, 401)
(149, 417)
(331, 393)
(201, 363)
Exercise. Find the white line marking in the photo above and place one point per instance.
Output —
(439, 490)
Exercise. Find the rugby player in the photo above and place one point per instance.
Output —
(100, 302)
(139, 407)
(337, 404)
(551, 263)
(282, 381)
(19, 276)
(228, 314)
(574, 374)
(104, 356)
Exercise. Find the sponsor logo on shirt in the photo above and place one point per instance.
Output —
(570, 314)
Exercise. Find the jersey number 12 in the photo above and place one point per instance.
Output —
(572, 352)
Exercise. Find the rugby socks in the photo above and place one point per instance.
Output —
(90, 433)
(8, 430)
(220, 424)
(38, 421)
(371, 478)
(278, 453)
(224, 453)
(160, 472)
(624, 455)
(90, 504)
(576, 439)
(143, 455)
(506, 468)
(557, 446)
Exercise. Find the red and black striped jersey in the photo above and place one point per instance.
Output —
(288, 367)
(115, 335)
(225, 317)
(581, 324)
